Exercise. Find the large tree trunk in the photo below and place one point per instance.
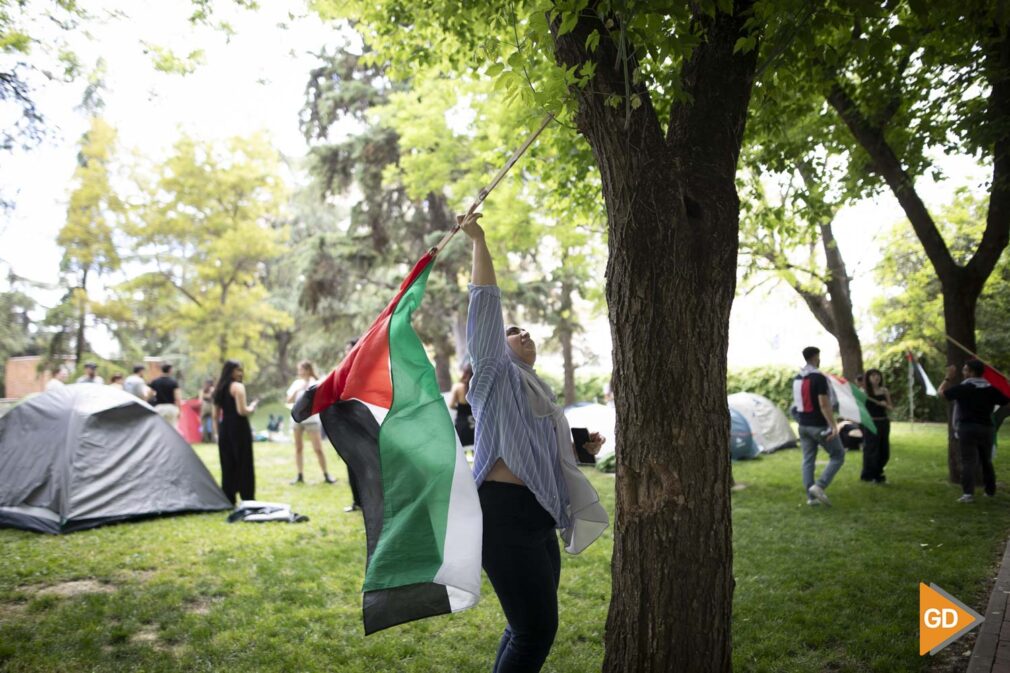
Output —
(672, 214)
(959, 302)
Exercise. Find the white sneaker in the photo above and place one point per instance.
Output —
(967, 497)
(817, 492)
(813, 501)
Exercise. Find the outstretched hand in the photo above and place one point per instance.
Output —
(468, 224)
(595, 443)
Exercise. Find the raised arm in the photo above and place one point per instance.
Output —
(483, 267)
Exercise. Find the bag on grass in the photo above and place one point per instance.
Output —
(255, 511)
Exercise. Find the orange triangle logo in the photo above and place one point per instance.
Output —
(942, 619)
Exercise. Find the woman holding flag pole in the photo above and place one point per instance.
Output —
(524, 467)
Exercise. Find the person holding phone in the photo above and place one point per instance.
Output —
(234, 434)
(524, 467)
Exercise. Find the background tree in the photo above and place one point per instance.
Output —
(908, 81)
(88, 238)
(909, 311)
(208, 227)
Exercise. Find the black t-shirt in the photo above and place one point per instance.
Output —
(808, 406)
(165, 387)
(975, 404)
(875, 405)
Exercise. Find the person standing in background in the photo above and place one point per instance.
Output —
(116, 381)
(876, 445)
(91, 374)
(311, 425)
(136, 385)
(812, 401)
(234, 434)
(60, 374)
(976, 399)
(207, 411)
(167, 395)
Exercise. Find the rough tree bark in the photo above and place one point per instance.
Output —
(672, 211)
(961, 284)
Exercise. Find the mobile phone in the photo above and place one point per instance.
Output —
(579, 438)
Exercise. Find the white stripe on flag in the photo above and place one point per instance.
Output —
(461, 554)
(930, 390)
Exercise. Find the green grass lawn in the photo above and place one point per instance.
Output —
(818, 589)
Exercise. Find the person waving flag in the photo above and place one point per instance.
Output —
(383, 411)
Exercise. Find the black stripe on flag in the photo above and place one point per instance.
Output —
(354, 433)
(390, 607)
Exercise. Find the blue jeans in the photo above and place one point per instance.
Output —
(810, 438)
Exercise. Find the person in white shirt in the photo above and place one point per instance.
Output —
(311, 425)
(136, 385)
(60, 374)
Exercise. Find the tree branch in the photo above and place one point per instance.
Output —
(886, 164)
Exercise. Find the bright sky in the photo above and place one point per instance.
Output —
(256, 80)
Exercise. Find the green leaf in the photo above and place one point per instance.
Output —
(494, 69)
(568, 21)
(593, 41)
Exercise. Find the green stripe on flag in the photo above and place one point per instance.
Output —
(417, 453)
(864, 415)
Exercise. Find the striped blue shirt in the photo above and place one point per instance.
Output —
(505, 425)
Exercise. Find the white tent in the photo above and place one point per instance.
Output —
(768, 423)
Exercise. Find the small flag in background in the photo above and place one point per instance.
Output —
(383, 412)
(921, 373)
(851, 402)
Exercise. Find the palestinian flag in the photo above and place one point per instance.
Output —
(851, 402)
(916, 366)
(383, 412)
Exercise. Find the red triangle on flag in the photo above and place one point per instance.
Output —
(997, 380)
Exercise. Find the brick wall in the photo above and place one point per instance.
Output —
(22, 376)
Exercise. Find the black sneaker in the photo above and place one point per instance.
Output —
(353, 507)
(297, 480)
(328, 479)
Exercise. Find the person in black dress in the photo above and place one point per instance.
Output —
(234, 435)
(877, 445)
(464, 413)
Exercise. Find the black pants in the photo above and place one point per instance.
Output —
(523, 561)
(975, 442)
(876, 450)
(353, 481)
(234, 444)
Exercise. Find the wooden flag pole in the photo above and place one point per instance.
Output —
(482, 194)
(974, 355)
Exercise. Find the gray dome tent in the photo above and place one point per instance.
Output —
(85, 455)
(768, 423)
